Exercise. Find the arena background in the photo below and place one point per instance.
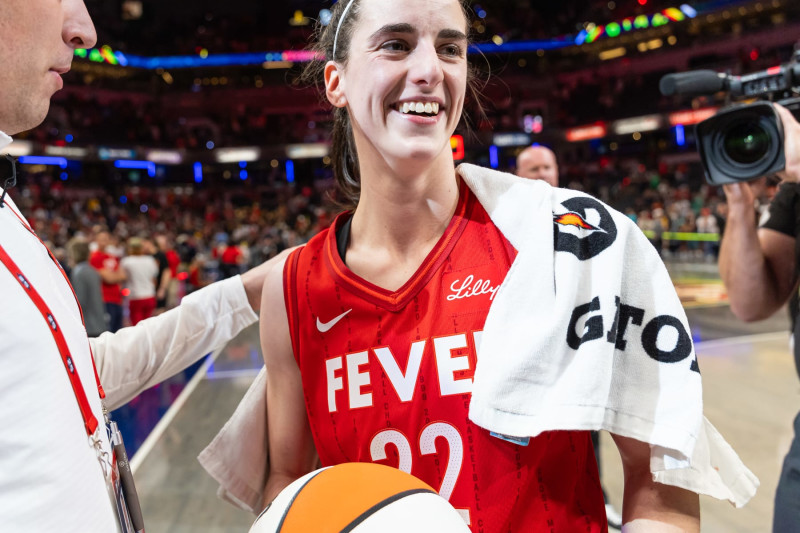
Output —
(186, 122)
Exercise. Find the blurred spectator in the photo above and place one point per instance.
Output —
(88, 287)
(196, 278)
(62, 256)
(112, 276)
(141, 271)
(538, 163)
(164, 275)
(231, 260)
(707, 223)
(168, 261)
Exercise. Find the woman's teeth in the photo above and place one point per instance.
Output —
(419, 108)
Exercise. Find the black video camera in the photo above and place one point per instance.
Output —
(744, 141)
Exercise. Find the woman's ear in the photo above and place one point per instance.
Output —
(334, 84)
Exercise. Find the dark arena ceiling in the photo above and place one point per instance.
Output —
(513, 19)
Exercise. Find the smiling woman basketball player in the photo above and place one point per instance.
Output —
(372, 355)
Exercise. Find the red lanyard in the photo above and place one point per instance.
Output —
(90, 421)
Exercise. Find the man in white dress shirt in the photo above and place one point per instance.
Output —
(52, 476)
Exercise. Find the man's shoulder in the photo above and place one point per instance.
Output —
(786, 200)
(787, 192)
(84, 271)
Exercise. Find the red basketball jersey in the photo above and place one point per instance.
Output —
(387, 378)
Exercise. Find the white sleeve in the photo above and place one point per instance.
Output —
(141, 356)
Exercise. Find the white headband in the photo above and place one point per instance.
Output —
(341, 20)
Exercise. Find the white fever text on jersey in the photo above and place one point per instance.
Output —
(349, 374)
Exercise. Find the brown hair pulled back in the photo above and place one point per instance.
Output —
(344, 157)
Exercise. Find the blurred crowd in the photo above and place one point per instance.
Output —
(140, 251)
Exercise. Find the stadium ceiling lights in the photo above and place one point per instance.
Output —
(590, 34)
(43, 160)
(72, 152)
(614, 53)
(237, 155)
(593, 32)
(19, 148)
(105, 154)
(165, 157)
(637, 124)
(128, 164)
(104, 54)
(298, 19)
(308, 151)
(504, 140)
(691, 116)
(587, 133)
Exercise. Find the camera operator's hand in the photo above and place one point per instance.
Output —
(791, 131)
(740, 199)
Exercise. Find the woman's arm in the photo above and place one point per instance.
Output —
(140, 356)
(648, 506)
(291, 448)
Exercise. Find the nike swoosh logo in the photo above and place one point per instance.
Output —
(326, 326)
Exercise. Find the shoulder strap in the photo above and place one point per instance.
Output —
(90, 421)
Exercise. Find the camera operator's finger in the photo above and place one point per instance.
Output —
(791, 131)
(739, 195)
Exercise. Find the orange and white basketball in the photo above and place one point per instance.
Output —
(359, 498)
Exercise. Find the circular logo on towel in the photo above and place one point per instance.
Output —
(576, 235)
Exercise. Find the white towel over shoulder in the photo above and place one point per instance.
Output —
(586, 333)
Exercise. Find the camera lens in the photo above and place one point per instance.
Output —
(741, 143)
(746, 143)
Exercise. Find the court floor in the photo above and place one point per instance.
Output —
(751, 395)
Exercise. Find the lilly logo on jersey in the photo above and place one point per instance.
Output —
(470, 287)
